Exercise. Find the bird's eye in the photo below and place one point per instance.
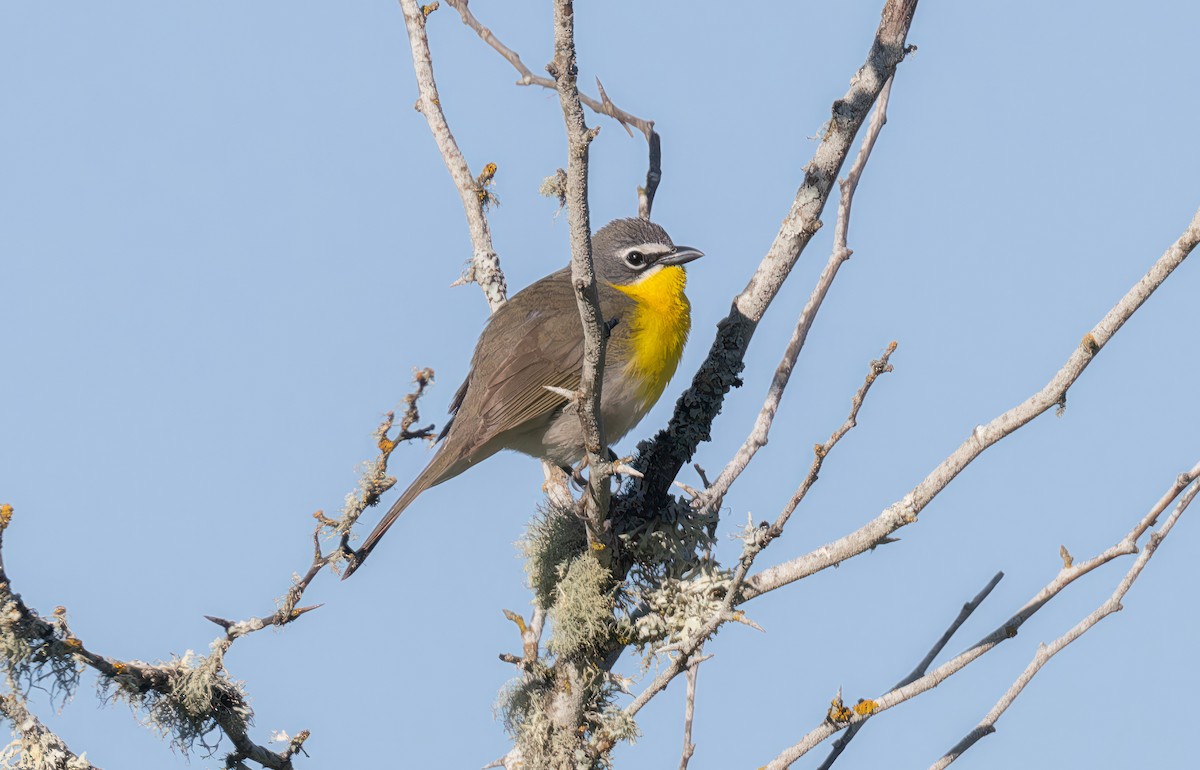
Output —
(635, 259)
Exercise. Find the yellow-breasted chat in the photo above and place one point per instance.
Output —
(531, 352)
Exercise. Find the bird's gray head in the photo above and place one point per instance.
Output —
(625, 251)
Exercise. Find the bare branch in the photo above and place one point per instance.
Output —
(1005, 631)
(699, 405)
(689, 713)
(905, 511)
(485, 264)
(967, 609)
(583, 277)
(603, 106)
(1045, 652)
(762, 425)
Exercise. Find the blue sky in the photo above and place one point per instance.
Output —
(227, 239)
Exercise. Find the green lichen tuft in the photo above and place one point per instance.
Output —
(584, 601)
(555, 537)
(192, 696)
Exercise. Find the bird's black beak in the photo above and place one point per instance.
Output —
(681, 256)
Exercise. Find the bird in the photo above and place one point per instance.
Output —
(529, 357)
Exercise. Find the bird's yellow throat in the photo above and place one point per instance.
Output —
(659, 326)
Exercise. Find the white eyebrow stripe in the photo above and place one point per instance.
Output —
(649, 249)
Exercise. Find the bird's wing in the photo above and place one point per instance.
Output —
(544, 348)
(537, 342)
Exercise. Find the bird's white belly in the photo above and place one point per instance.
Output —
(561, 441)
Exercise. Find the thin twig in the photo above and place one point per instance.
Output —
(762, 425)
(967, 609)
(653, 175)
(1045, 652)
(904, 511)
(689, 713)
(1069, 573)
(484, 268)
(603, 106)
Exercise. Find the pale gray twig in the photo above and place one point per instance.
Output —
(967, 609)
(484, 268)
(583, 277)
(1069, 573)
(689, 713)
(1045, 652)
(603, 105)
(905, 511)
(762, 425)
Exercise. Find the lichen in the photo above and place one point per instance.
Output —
(582, 613)
(191, 697)
(555, 536)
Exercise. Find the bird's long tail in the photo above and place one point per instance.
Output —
(434, 473)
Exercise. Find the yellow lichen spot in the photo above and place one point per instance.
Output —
(386, 445)
(1090, 343)
(517, 619)
(838, 713)
(428, 9)
(118, 667)
(6, 513)
(598, 546)
(489, 171)
(865, 707)
(60, 611)
(73, 643)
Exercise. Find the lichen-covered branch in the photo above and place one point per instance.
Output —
(696, 409)
(190, 697)
(905, 511)
(34, 746)
(484, 268)
(987, 725)
(1069, 573)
